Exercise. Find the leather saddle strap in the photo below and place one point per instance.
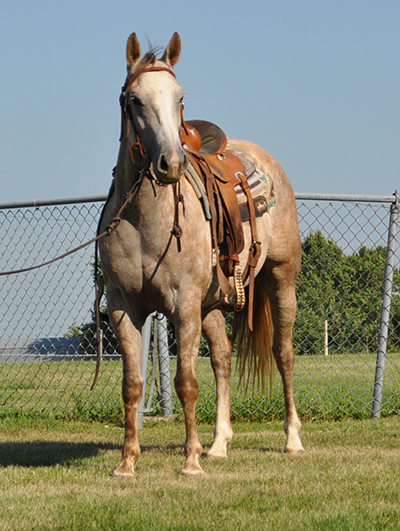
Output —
(202, 168)
(255, 248)
(210, 189)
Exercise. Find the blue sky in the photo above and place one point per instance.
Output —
(316, 83)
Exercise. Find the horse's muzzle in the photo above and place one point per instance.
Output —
(170, 168)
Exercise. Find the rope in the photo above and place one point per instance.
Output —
(37, 266)
(111, 227)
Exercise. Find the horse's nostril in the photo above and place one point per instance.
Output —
(163, 165)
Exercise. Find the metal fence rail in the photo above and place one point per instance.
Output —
(46, 318)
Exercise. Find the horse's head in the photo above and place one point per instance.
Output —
(152, 101)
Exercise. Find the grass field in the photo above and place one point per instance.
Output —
(334, 387)
(56, 475)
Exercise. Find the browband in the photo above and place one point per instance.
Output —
(131, 79)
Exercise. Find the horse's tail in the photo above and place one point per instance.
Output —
(255, 361)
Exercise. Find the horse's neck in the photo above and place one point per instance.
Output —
(151, 203)
(127, 173)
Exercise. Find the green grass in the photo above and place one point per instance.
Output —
(334, 387)
(56, 475)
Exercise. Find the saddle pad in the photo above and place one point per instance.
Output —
(260, 184)
(261, 188)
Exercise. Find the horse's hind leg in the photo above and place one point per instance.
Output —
(221, 352)
(282, 296)
(130, 340)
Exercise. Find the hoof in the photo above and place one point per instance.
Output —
(124, 470)
(295, 452)
(219, 450)
(216, 455)
(193, 471)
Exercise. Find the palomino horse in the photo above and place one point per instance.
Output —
(145, 268)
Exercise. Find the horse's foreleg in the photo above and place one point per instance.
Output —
(283, 306)
(188, 333)
(129, 339)
(221, 352)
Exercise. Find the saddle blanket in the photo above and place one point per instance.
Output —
(261, 188)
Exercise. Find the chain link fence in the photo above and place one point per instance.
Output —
(47, 352)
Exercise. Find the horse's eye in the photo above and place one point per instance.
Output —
(135, 100)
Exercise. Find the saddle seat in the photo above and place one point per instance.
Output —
(205, 137)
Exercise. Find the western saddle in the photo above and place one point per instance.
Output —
(220, 170)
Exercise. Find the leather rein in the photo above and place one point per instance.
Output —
(116, 220)
(109, 229)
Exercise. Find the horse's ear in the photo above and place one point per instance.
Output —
(132, 50)
(173, 50)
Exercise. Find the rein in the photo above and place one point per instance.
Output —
(99, 286)
(60, 257)
(110, 228)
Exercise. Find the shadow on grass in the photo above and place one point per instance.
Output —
(45, 454)
(179, 449)
(42, 453)
(166, 449)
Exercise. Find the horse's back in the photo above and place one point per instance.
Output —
(284, 240)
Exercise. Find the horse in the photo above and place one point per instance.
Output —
(159, 256)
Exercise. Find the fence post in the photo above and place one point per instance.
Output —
(163, 360)
(164, 368)
(385, 312)
(146, 336)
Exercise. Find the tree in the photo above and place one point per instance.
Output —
(347, 292)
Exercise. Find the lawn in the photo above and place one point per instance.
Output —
(56, 475)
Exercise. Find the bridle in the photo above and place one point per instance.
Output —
(127, 122)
